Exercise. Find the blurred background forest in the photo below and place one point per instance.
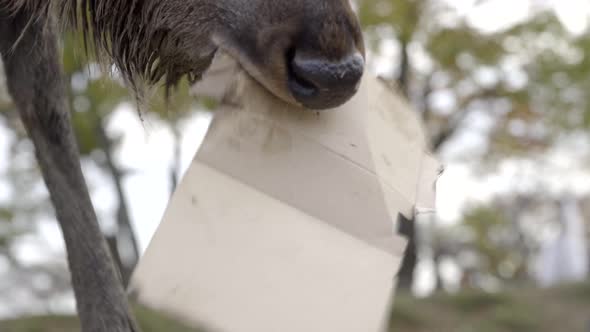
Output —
(502, 88)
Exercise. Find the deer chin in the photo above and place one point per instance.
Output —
(274, 79)
(307, 76)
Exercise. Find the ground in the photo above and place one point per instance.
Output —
(149, 321)
(565, 308)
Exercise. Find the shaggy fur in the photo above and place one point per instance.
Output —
(149, 41)
(137, 39)
(164, 40)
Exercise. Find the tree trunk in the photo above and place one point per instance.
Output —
(175, 167)
(403, 79)
(126, 236)
(407, 228)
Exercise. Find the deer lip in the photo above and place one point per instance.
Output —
(309, 95)
(299, 86)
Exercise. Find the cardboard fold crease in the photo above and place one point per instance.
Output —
(285, 221)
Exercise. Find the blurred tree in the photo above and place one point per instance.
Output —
(93, 97)
(501, 242)
(516, 90)
(492, 247)
(411, 23)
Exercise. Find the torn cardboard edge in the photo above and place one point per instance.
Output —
(285, 220)
(226, 84)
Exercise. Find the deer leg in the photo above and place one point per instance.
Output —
(36, 83)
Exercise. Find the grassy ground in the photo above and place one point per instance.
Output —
(149, 320)
(566, 309)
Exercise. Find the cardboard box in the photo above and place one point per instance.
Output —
(285, 221)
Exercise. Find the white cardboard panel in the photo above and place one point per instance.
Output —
(248, 262)
(285, 220)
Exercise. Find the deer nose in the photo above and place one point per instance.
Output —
(319, 83)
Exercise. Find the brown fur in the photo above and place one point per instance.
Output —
(150, 41)
(164, 40)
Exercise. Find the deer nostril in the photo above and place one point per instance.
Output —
(320, 83)
(298, 84)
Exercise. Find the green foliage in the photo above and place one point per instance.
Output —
(406, 313)
(95, 93)
(492, 236)
(579, 292)
(153, 321)
(525, 309)
(447, 45)
(41, 324)
(515, 319)
(402, 16)
(6, 214)
(149, 321)
(470, 301)
(547, 101)
(92, 94)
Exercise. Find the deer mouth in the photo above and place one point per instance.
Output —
(299, 77)
(297, 83)
(318, 83)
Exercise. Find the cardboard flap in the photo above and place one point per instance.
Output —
(285, 220)
(387, 139)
